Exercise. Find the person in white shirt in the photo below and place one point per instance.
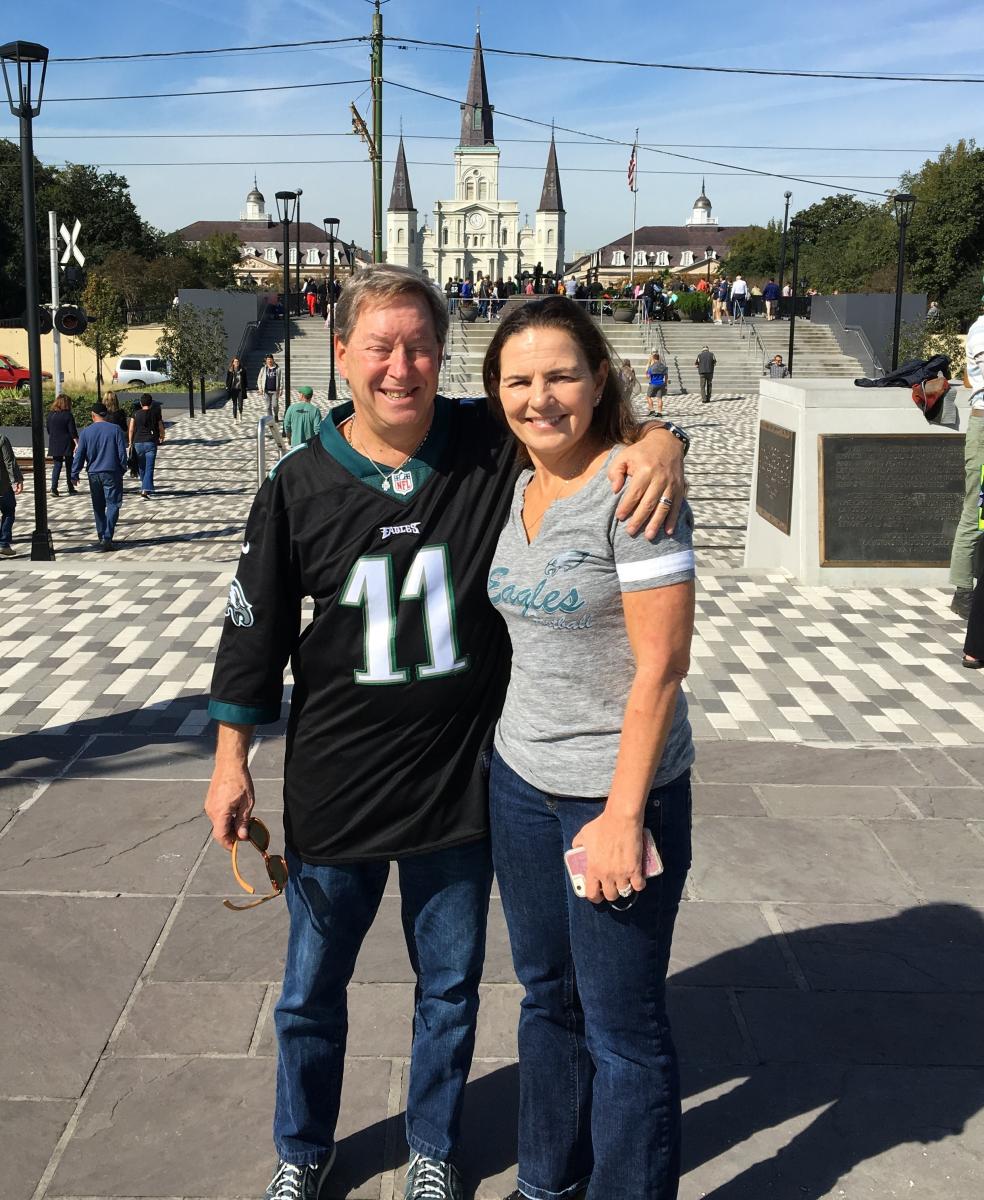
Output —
(739, 297)
(968, 531)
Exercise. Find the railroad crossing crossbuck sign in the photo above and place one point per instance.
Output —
(71, 244)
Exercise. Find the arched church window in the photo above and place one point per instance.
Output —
(476, 118)
(549, 237)
(469, 189)
(503, 235)
(399, 237)
(444, 235)
(483, 189)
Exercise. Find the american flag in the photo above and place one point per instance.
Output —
(632, 169)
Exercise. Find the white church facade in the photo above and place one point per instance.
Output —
(476, 233)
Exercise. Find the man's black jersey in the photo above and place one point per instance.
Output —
(400, 676)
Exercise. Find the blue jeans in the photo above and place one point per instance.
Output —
(599, 1088)
(106, 492)
(8, 506)
(146, 457)
(445, 901)
(56, 470)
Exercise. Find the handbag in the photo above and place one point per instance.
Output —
(132, 463)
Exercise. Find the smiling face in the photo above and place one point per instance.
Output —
(548, 392)
(392, 361)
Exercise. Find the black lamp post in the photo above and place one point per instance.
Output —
(331, 229)
(799, 230)
(782, 246)
(710, 254)
(904, 204)
(285, 211)
(297, 249)
(31, 64)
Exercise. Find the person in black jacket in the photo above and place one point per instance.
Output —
(63, 437)
(114, 414)
(146, 433)
(237, 387)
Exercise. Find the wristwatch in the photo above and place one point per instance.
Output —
(679, 434)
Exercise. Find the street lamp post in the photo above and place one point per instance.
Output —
(285, 211)
(799, 231)
(782, 246)
(26, 58)
(331, 229)
(904, 204)
(710, 254)
(297, 249)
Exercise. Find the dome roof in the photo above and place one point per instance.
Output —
(255, 195)
(702, 200)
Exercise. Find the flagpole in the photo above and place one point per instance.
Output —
(635, 193)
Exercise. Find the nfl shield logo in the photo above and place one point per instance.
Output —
(402, 482)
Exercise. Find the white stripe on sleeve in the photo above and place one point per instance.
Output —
(656, 568)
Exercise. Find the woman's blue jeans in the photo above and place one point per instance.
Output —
(146, 457)
(599, 1084)
(445, 902)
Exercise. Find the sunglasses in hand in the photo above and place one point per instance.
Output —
(276, 867)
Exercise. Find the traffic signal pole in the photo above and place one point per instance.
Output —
(55, 298)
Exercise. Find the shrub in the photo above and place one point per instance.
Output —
(696, 305)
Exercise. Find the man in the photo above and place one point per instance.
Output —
(11, 486)
(777, 369)
(303, 419)
(704, 362)
(270, 385)
(739, 298)
(770, 294)
(968, 532)
(389, 517)
(102, 451)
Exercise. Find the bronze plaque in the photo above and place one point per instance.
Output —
(774, 482)
(889, 499)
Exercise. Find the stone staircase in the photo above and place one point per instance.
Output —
(309, 363)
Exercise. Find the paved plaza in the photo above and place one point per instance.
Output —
(828, 974)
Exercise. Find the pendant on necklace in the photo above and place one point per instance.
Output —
(402, 482)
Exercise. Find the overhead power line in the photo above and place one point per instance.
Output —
(862, 76)
(146, 54)
(284, 87)
(610, 141)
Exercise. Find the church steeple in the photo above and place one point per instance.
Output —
(476, 112)
(551, 199)
(400, 198)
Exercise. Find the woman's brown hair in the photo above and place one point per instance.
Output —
(112, 404)
(61, 403)
(612, 420)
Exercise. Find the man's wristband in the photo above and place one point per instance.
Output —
(677, 432)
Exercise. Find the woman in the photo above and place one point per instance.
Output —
(592, 746)
(656, 391)
(146, 433)
(973, 651)
(114, 414)
(630, 381)
(63, 437)
(236, 387)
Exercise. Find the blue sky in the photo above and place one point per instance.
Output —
(896, 125)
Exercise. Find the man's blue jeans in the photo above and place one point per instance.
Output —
(8, 506)
(146, 457)
(599, 1088)
(106, 492)
(445, 901)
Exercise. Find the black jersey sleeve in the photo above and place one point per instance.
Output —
(262, 618)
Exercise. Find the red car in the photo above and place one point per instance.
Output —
(13, 375)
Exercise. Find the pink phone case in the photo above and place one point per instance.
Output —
(576, 861)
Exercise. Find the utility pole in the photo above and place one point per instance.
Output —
(377, 134)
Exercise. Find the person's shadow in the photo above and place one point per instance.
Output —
(880, 1044)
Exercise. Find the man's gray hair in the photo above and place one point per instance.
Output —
(381, 284)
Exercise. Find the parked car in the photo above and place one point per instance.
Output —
(141, 370)
(13, 375)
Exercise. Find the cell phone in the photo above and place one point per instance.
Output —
(576, 862)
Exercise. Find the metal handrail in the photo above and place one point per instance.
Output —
(261, 428)
(862, 337)
(763, 353)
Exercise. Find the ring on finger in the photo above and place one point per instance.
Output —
(626, 892)
(664, 500)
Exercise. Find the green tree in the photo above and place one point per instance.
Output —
(102, 202)
(946, 238)
(850, 245)
(923, 339)
(754, 253)
(106, 313)
(213, 260)
(194, 343)
(12, 228)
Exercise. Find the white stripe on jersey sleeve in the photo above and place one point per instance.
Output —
(656, 568)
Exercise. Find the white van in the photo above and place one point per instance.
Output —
(141, 370)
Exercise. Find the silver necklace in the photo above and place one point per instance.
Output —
(396, 478)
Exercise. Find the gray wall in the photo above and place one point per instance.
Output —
(873, 313)
(238, 310)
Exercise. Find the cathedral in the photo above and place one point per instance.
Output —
(476, 232)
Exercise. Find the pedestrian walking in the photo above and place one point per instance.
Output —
(402, 494)
(63, 437)
(770, 294)
(146, 433)
(102, 451)
(968, 531)
(115, 414)
(11, 486)
(704, 362)
(629, 379)
(236, 387)
(656, 373)
(739, 298)
(311, 296)
(270, 385)
(303, 419)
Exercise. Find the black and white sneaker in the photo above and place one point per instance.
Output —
(298, 1183)
(430, 1179)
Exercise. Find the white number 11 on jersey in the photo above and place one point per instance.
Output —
(370, 586)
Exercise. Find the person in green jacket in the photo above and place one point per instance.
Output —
(302, 420)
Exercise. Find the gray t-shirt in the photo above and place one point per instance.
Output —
(572, 665)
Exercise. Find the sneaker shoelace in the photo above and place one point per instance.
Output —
(430, 1181)
(288, 1182)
